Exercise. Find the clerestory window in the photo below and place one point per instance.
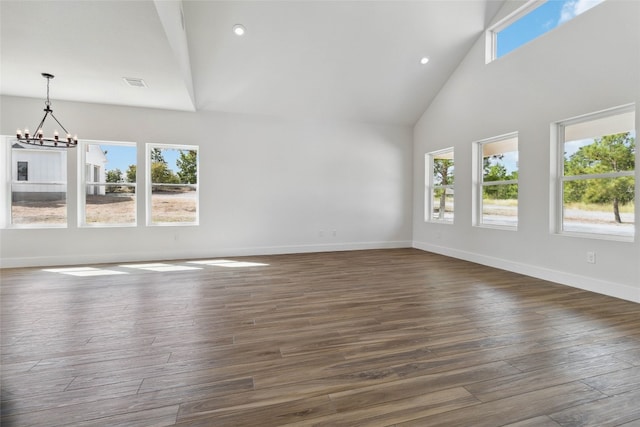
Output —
(533, 19)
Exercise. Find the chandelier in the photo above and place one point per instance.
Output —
(38, 138)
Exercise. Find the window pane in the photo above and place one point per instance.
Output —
(39, 204)
(106, 165)
(442, 203)
(23, 171)
(606, 154)
(598, 160)
(443, 171)
(500, 205)
(110, 163)
(38, 185)
(174, 184)
(110, 204)
(500, 160)
(439, 180)
(498, 164)
(599, 206)
(173, 203)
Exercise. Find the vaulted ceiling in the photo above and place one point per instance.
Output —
(339, 60)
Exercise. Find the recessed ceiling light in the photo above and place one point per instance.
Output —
(424, 60)
(239, 30)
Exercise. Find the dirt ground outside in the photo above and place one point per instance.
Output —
(111, 208)
(591, 219)
(172, 207)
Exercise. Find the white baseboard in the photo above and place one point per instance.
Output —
(612, 289)
(120, 257)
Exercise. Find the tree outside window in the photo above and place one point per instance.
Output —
(108, 199)
(173, 182)
(439, 180)
(598, 174)
(497, 193)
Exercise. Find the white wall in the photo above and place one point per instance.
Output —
(44, 165)
(267, 185)
(95, 161)
(589, 64)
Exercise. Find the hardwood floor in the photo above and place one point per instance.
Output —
(369, 338)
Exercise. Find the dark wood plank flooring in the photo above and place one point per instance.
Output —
(368, 338)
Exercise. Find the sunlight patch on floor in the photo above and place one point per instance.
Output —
(84, 271)
(158, 266)
(227, 263)
(153, 266)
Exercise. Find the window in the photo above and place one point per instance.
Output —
(108, 189)
(38, 198)
(23, 171)
(439, 186)
(533, 19)
(496, 194)
(172, 184)
(596, 170)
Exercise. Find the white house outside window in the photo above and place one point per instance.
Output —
(38, 186)
(108, 185)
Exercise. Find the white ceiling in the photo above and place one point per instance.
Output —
(341, 60)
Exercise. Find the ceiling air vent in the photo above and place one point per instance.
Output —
(133, 82)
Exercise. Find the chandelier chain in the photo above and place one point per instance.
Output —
(48, 103)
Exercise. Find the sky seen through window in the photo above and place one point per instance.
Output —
(541, 20)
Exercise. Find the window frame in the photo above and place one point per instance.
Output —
(558, 134)
(149, 184)
(480, 183)
(491, 34)
(431, 187)
(83, 184)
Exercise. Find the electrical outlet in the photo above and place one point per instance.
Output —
(591, 257)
